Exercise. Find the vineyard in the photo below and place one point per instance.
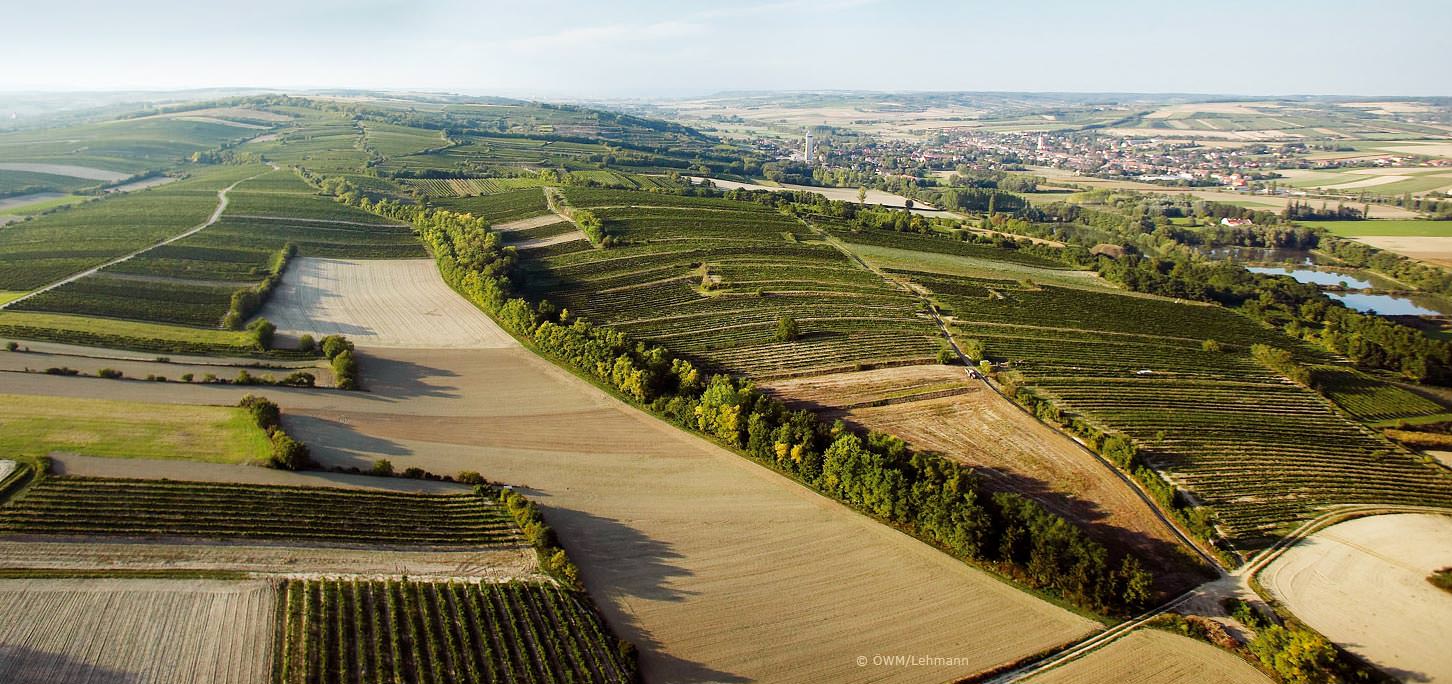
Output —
(469, 187)
(51, 247)
(710, 279)
(1262, 453)
(191, 281)
(501, 207)
(80, 506)
(362, 632)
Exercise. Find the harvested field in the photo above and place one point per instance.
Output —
(526, 224)
(1151, 656)
(85, 172)
(378, 303)
(1363, 583)
(1433, 250)
(719, 569)
(974, 425)
(116, 631)
(140, 370)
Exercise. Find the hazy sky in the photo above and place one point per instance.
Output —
(660, 47)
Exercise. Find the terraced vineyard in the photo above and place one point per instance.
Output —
(468, 187)
(190, 282)
(420, 632)
(501, 207)
(1263, 453)
(710, 279)
(83, 506)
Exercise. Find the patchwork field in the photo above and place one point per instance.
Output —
(1151, 656)
(938, 409)
(1205, 419)
(696, 567)
(115, 631)
(1363, 583)
(378, 303)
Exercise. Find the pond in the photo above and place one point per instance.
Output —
(1261, 255)
(1386, 305)
(1307, 275)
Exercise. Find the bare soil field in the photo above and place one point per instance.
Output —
(718, 569)
(122, 631)
(378, 303)
(878, 197)
(1151, 656)
(1009, 448)
(551, 240)
(138, 370)
(1433, 250)
(1363, 583)
(85, 172)
(527, 223)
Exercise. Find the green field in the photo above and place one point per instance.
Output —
(43, 204)
(1381, 227)
(36, 426)
(121, 334)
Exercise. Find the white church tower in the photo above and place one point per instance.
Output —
(807, 149)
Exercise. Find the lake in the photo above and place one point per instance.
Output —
(1386, 305)
(1307, 275)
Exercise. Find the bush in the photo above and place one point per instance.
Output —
(299, 379)
(470, 477)
(786, 330)
(333, 345)
(110, 374)
(12, 346)
(262, 332)
(264, 412)
(345, 370)
(288, 453)
(307, 343)
(382, 468)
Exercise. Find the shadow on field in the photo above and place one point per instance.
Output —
(619, 562)
(22, 665)
(336, 443)
(1176, 569)
(397, 379)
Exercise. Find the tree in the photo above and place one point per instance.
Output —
(786, 330)
(861, 195)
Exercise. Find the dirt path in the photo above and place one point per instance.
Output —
(551, 240)
(526, 224)
(216, 214)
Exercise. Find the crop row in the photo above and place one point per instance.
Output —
(403, 632)
(97, 506)
(501, 207)
(179, 303)
(468, 187)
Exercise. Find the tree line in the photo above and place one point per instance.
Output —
(935, 499)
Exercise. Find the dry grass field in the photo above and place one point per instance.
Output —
(1363, 583)
(378, 303)
(142, 631)
(937, 409)
(1150, 656)
(1433, 250)
(718, 569)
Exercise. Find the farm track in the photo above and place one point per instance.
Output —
(216, 215)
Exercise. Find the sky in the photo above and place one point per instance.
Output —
(660, 48)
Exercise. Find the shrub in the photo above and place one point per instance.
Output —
(264, 412)
(345, 370)
(470, 477)
(12, 346)
(333, 345)
(307, 343)
(786, 330)
(109, 374)
(382, 467)
(262, 332)
(187, 377)
(288, 453)
(299, 379)
(62, 370)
